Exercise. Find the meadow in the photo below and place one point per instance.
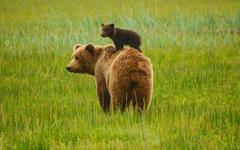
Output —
(194, 47)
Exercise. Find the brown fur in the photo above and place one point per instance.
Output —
(121, 37)
(121, 77)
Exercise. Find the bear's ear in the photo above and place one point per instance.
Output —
(102, 24)
(76, 46)
(90, 48)
(112, 25)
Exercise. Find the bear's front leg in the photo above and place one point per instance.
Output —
(103, 97)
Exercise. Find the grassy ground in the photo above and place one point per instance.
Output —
(194, 48)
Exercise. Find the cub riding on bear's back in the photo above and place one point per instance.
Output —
(121, 37)
(117, 87)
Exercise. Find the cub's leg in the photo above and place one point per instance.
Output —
(136, 46)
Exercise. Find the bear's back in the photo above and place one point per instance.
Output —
(131, 59)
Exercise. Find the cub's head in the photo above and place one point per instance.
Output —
(83, 59)
(107, 30)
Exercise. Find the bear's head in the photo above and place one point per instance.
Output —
(108, 30)
(83, 59)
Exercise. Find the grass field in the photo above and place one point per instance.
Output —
(195, 50)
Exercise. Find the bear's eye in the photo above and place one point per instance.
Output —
(77, 58)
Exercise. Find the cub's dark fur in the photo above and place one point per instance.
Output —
(121, 37)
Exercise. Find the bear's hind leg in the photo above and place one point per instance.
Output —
(125, 101)
(119, 99)
(142, 97)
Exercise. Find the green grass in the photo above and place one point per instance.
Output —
(194, 48)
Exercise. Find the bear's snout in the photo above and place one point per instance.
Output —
(103, 35)
(69, 68)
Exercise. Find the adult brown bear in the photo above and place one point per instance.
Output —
(122, 77)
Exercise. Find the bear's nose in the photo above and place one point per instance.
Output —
(68, 68)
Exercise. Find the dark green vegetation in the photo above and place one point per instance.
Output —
(195, 51)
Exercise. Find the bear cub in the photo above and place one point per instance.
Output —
(121, 37)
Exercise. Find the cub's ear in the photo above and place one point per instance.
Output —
(102, 24)
(90, 48)
(112, 25)
(76, 46)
